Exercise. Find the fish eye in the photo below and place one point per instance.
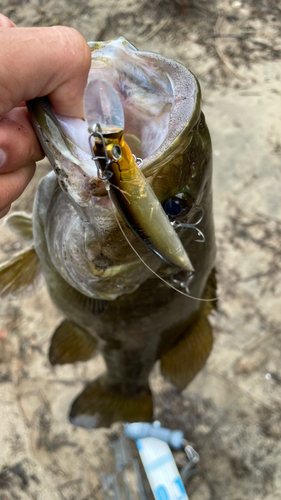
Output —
(176, 207)
(116, 152)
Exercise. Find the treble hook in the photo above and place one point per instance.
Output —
(184, 284)
(177, 224)
(103, 173)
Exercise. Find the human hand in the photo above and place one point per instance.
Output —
(34, 62)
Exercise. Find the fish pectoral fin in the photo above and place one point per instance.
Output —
(181, 363)
(71, 343)
(98, 406)
(21, 275)
(21, 224)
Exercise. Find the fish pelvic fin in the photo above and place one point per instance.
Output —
(70, 343)
(99, 406)
(21, 275)
(21, 224)
(181, 363)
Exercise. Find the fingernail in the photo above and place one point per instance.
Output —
(3, 157)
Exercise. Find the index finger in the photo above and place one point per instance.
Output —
(43, 61)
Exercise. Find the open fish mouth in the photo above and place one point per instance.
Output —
(145, 90)
(160, 99)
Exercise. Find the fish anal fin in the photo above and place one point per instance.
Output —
(20, 276)
(98, 406)
(181, 363)
(70, 343)
(21, 224)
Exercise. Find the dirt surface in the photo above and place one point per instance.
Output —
(231, 412)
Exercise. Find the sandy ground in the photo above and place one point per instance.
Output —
(231, 412)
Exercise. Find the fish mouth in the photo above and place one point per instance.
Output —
(160, 99)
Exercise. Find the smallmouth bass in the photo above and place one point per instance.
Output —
(88, 252)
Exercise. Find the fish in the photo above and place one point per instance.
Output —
(115, 229)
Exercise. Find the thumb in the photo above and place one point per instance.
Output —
(43, 61)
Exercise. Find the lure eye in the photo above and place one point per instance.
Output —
(116, 152)
(176, 207)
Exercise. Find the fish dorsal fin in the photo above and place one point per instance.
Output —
(102, 105)
(21, 224)
(21, 275)
(71, 343)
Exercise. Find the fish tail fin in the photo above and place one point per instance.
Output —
(71, 343)
(99, 406)
(21, 275)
